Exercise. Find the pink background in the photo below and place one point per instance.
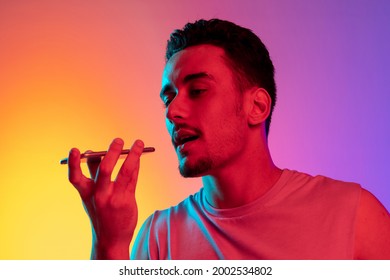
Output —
(79, 73)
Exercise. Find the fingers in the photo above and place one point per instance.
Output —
(93, 165)
(76, 177)
(101, 169)
(107, 165)
(128, 173)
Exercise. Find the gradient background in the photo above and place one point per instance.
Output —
(79, 73)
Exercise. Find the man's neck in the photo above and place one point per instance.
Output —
(245, 181)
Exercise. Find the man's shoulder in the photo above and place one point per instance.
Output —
(179, 210)
(158, 225)
(301, 179)
(304, 188)
(372, 229)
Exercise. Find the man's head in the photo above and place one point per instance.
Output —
(217, 106)
(246, 53)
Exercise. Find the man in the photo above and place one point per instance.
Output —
(219, 92)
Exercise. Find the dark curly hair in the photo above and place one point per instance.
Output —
(245, 51)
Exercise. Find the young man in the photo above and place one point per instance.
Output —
(219, 93)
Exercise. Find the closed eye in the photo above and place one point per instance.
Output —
(194, 92)
(167, 98)
(166, 102)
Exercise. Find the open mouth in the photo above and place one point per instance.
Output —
(182, 137)
(186, 140)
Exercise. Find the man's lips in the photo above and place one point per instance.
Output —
(183, 136)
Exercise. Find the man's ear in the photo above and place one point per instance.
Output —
(260, 106)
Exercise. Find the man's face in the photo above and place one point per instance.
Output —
(204, 113)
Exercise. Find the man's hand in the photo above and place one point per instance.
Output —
(110, 205)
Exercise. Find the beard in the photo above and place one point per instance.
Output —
(224, 148)
(197, 169)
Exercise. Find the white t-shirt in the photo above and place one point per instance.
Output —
(300, 217)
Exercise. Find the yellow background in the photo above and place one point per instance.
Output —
(75, 76)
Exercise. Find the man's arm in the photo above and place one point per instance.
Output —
(372, 239)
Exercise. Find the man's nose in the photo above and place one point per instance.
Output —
(178, 109)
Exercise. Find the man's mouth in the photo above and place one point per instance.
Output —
(183, 136)
(186, 140)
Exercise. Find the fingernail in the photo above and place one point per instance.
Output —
(118, 141)
(139, 143)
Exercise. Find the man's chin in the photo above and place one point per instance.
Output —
(200, 168)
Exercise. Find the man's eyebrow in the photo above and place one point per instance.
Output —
(188, 78)
(198, 75)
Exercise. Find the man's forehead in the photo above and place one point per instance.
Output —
(195, 59)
